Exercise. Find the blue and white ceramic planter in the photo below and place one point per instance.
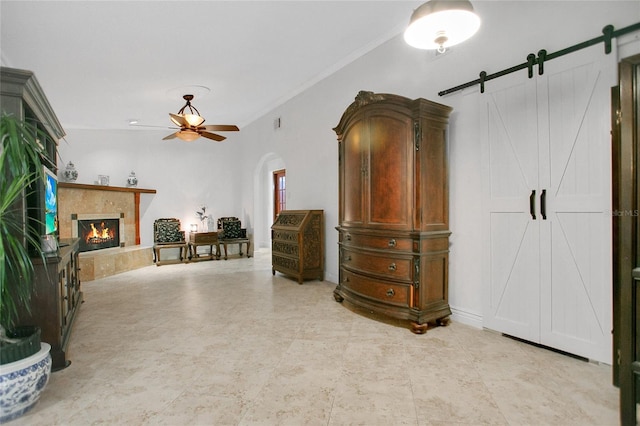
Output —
(21, 383)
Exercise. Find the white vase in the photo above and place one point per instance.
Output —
(70, 173)
(22, 382)
(132, 180)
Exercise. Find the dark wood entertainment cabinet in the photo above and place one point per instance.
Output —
(56, 299)
(56, 287)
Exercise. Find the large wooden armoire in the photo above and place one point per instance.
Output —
(394, 208)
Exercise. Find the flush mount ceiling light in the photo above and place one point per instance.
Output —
(439, 24)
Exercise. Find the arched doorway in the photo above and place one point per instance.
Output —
(263, 201)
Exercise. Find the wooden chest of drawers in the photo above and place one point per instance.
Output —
(297, 244)
(402, 275)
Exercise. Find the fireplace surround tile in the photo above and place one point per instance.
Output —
(78, 200)
(112, 261)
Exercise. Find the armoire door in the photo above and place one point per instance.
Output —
(352, 156)
(547, 204)
(389, 170)
(377, 156)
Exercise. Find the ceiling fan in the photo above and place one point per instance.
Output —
(191, 127)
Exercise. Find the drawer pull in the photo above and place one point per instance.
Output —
(347, 237)
(345, 280)
(347, 258)
(392, 267)
(390, 292)
(392, 242)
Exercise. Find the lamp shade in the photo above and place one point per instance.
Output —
(193, 119)
(181, 120)
(439, 24)
(187, 135)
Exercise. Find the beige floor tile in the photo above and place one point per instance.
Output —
(228, 343)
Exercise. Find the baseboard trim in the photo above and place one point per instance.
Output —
(466, 317)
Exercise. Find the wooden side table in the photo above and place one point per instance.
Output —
(203, 239)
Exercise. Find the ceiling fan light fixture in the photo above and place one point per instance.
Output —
(439, 24)
(193, 120)
(190, 125)
(187, 135)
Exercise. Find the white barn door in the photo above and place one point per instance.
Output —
(512, 255)
(549, 277)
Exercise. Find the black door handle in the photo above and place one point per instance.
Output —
(543, 204)
(532, 204)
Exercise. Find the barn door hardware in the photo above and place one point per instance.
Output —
(608, 33)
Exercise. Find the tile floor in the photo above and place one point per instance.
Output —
(226, 343)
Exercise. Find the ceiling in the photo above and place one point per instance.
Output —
(103, 63)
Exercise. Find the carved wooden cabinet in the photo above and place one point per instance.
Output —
(393, 208)
(56, 299)
(297, 244)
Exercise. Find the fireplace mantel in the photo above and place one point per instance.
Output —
(81, 187)
(105, 188)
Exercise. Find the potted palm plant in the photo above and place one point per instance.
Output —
(25, 363)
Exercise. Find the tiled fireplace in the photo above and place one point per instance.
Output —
(106, 218)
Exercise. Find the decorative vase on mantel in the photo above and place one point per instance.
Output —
(70, 173)
(132, 180)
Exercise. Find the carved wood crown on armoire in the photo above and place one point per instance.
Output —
(394, 208)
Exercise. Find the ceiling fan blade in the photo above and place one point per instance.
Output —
(178, 120)
(153, 127)
(220, 127)
(213, 136)
(171, 136)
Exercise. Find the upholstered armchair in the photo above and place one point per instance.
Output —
(231, 228)
(167, 234)
(232, 232)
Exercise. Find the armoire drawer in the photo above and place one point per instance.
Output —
(377, 242)
(378, 290)
(381, 264)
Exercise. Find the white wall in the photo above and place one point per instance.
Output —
(228, 177)
(185, 176)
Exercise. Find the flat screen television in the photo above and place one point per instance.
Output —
(50, 203)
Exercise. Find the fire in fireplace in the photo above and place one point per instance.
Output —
(97, 234)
